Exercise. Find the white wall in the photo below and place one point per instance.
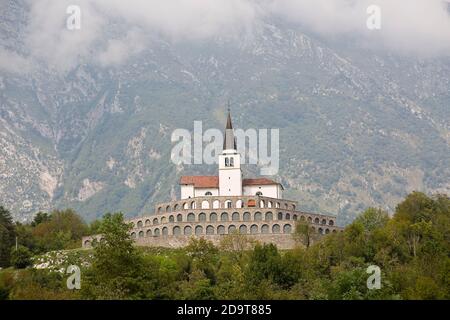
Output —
(200, 192)
(230, 178)
(187, 191)
(272, 191)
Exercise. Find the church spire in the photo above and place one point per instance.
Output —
(229, 141)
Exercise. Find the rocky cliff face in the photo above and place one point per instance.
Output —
(357, 128)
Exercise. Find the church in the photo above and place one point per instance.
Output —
(213, 207)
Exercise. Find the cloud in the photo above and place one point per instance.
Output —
(113, 30)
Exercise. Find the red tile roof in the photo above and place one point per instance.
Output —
(201, 181)
(213, 181)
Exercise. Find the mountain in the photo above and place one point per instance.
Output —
(358, 127)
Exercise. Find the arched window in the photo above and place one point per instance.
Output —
(231, 162)
(167, 208)
(254, 229)
(171, 219)
(269, 216)
(202, 217)
(280, 216)
(147, 222)
(259, 193)
(331, 223)
(295, 217)
(209, 193)
(287, 228)
(288, 216)
(324, 221)
(155, 221)
(156, 232)
(316, 220)
(176, 231)
(191, 217)
(198, 230)
(216, 204)
(227, 162)
(258, 216)
(231, 229)
(193, 206)
(327, 231)
(213, 217)
(239, 204)
(276, 228)
(205, 204)
(224, 216)
(235, 216)
(141, 234)
(187, 230)
(228, 204)
(165, 231)
(265, 229)
(220, 230)
(246, 216)
(243, 229)
(163, 219)
(179, 217)
(139, 224)
(175, 207)
(149, 233)
(209, 230)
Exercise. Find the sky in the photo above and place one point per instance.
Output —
(114, 30)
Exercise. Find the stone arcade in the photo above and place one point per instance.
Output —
(214, 206)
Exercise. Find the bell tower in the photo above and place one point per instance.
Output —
(230, 174)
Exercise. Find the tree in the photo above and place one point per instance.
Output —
(303, 233)
(21, 257)
(40, 217)
(373, 218)
(7, 237)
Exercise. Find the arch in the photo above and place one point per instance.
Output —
(202, 216)
(171, 219)
(228, 204)
(259, 193)
(327, 231)
(87, 243)
(149, 232)
(191, 217)
(185, 206)
(155, 221)
(192, 205)
(220, 229)
(309, 219)
(147, 222)
(213, 217)
(159, 209)
(262, 203)
(156, 232)
(257, 216)
(209, 230)
(278, 205)
(208, 193)
(320, 230)
(246, 216)
(316, 220)
(176, 231)
(168, 209)
(293, 207)
(324, 221)
(187, 230)
(287, 228)
(140, 224)
(205, 204)
(224, 216)
(163, 220)
(269, 216)
(331, 223)
(216, 204)
(254, 229)
(280, 216)
(239, 204)
(141, 234)
(265, 228)
(288, 216)
(269, 204)
(334, 231)
(165, 231)
(231, 229)
(198, 230)
(179, 217)
(235, 216)
(175, 207)
(302, 218)
(243, 229)
(276, 228)
(295, 217)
